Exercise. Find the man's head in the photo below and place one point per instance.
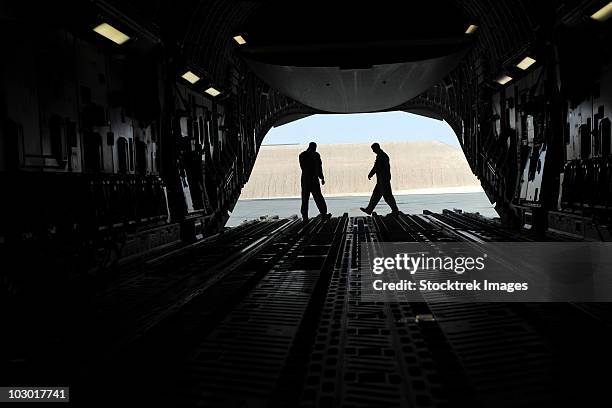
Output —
(375, 147)
(312, 146)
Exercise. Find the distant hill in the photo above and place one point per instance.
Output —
(414, 166)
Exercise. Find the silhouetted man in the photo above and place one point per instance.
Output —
(312, 171)
(382, 169)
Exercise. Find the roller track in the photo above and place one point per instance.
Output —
(268, 314)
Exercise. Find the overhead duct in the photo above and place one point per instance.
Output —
(380, 87)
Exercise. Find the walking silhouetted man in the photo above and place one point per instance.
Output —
(382, 169)
(312, 171)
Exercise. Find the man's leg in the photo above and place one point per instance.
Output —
(376, 194)
(305, 198)
(318, 197)
(387, 194)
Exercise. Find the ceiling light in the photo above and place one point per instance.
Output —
(471, 29)
(240, 40)
(525, 63)
(110, 32)
(212, 91)
(190, 77)
(603, 13)
(503, 79)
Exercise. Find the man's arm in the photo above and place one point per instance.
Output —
(373, 171)
(320, 169)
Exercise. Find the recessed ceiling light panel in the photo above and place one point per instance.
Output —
(212, 91)
(471, 29)
(526, 63)
(239, 39)
(108, 31)
(503, 79)
(190, 77)
(603, 13)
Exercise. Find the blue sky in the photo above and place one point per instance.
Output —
(362, 128)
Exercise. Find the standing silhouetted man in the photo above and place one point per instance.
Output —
(382, 169)
(312, 171)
